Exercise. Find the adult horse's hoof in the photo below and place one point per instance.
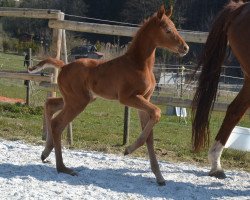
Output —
(218, 174)
(162, 183)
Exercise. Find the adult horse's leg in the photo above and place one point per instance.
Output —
(52, 105)
(150, 146)
(234, 113)
(238, 32)
(71, 109)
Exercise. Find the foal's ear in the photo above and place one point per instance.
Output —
(169, 11)
(161, 12)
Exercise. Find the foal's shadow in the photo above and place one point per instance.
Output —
(119, 180)
(40, 172)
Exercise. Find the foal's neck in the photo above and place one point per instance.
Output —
(142, 50)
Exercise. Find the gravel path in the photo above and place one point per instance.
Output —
(108, 176)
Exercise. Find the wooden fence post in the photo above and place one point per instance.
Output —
(27, 82)
(126, 125)
(56, 52)
(56, 49)
(69, 128)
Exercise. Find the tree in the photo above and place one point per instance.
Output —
(198, 15)
(135, 11)
(105, 9)
(76, 7)
(7, 3)
(37, 27)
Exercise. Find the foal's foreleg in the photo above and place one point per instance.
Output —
(141, 139)
(234, 113)
(152, 111)
(52, 105)
(150, 146)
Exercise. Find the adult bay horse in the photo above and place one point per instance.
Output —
(231, 26)
(128, 79)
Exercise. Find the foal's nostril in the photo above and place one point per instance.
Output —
(186, 48)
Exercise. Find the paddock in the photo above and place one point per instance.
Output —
(109, 176)
(173, 101)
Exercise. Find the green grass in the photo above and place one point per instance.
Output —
(15, 88)
(11, 88)
(100, 128)
(11, 62)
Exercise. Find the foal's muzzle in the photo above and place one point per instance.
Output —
(183, 50)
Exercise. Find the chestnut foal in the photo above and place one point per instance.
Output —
(128, 79)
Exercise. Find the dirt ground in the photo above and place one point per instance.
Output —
(11, 100)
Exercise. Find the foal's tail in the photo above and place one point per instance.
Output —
(47, 63)
(211, 60)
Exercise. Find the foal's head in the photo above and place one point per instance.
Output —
(166, 35)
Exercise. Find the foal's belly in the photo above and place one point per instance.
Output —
(104, 93)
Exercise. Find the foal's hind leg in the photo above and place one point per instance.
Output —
(52, 105)
(70, 110)
(150, 146)
(234, 113)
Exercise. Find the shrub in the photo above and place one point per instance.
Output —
(6, 46)
(10, 44)
(13, 45)
(20, 109)
(24, 46)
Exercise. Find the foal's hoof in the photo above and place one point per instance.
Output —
(43, 158)
(126, 152)
(67, 171)
(162, 183)
(218, 174)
